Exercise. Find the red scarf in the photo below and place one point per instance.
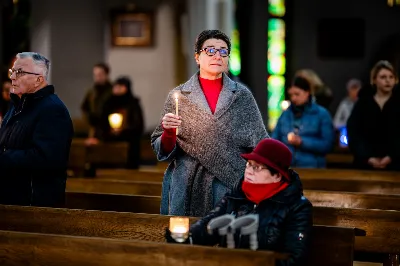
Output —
(259, 192)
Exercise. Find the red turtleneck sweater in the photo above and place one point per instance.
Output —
(211, 90)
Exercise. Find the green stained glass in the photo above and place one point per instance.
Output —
(276, 65)
(277, 8)
(234, 59)
(276, 92)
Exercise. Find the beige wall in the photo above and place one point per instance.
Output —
(151, 69)
(74, 35)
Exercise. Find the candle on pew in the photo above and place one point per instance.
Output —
(179, 228)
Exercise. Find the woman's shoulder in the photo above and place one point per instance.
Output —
(320, 110)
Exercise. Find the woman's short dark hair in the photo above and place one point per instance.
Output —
(210, 34)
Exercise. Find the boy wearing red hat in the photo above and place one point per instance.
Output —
(274, 192)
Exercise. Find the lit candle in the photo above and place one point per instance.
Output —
(290, 136)
(285, 105)
(115, 120)
(179, 228)
(176, 108)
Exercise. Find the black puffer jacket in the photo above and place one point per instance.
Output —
(285, 222)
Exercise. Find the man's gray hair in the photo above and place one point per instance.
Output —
(353, 83)
(39, 60)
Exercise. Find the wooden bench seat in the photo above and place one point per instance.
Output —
(112, 202)
(128, 185)
(151, 204)
(381, 226)
(113, 153)
(338, 251)
(21, 248)
(114, 186)
(378, 182)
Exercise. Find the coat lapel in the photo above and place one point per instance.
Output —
(192, 89)
(194, 93)
(226, 96)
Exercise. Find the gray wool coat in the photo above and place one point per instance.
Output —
(208, 146)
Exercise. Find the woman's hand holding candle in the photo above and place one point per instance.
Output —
(171, 121)
(294, 139)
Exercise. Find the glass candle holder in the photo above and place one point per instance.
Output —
(115, 120)
(179, 228)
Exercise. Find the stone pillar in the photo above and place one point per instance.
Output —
(253, 27)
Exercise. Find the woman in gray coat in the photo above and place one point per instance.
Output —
(218, 120)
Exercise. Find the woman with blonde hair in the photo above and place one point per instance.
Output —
(373, 127)
(322, 93)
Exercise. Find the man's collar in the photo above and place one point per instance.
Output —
(45, 91)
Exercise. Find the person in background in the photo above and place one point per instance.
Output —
(322, 93)
(374, 125)
(346, 105)
(274, 192)
(218, 120)
(5, 99)
(306, 127)
(124, 103)
(35, 138)
(96, 96)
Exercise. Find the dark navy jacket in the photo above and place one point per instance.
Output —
(35, 139)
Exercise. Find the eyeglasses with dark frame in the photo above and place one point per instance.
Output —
(210, 51)
(256, 168)
(19, 73)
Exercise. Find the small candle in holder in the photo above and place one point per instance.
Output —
(176, 108)
(290, 136)
(115, 120)
(179, 228)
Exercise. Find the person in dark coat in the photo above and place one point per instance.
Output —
(274, 192)
(373, 126)
(35, 138)
(125, 103)
(95, 98)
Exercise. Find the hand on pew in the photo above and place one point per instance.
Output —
(91, 141)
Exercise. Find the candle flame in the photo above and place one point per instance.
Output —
(115, 120)
(176, 96)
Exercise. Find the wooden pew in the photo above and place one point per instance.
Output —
(353, 200)
(112, 202)
(21, 248)
(127, 184)
(338, 251)
(114, 153)
(151, 204)
(318, 179)
(114, 186)
(309, 173)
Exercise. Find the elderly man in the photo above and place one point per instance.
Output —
(35, 138)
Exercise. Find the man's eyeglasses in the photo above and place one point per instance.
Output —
(19, 73)
(210, 51)
(256, 168)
